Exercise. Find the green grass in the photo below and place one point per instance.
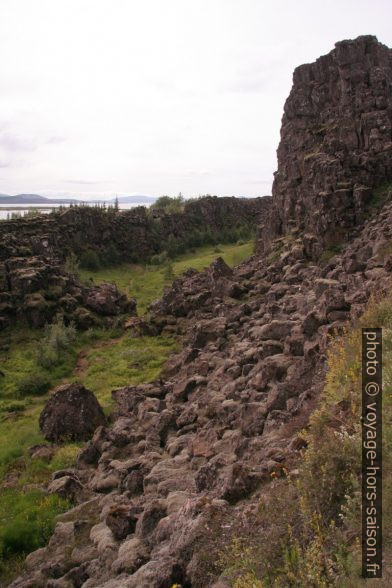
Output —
(327, 254)
(129, 361)
(16, 435)
(145, 283)
(26, 523)
(19, 360)
(115, 363)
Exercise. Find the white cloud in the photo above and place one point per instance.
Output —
(157, 97)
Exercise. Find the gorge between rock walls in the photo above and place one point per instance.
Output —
(200, 444)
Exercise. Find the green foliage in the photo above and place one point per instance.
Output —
(160, 258)
(168, 272)
(129, 361)
(226, 235)
(378, 197)
(169, 204)
(72, 263)
(65, 456)
(55, 342)
(27, 520)
(90, 260)
(13, 406)
(327, 254)
(33, 385)
(110, 256)
(15, 437)
(21, 349)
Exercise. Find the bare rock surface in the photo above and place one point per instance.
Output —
(336, 143)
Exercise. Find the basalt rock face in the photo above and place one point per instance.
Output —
(34, 286)
(336, 143)
(134, 234)
(34, 289)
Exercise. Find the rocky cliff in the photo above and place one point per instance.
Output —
(34, 285)
(336, 143)
(136, 234)
(192, 456)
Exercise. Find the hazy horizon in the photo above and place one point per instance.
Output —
(110, 97)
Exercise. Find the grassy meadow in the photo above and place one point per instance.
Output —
(146, 282)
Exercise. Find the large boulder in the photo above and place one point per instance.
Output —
(71, 413)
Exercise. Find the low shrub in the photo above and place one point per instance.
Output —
(170, 205)
(57, 339)
(109, 257)
(168, 272)
(13, 406)
(90, 260)
(72, 263)
(327, 254)
(159, 259)
(33, 385)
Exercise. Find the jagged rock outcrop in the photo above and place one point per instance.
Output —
(190, 455)
(36, 288)
(336, 143)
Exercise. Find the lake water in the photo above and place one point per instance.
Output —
(6, 210)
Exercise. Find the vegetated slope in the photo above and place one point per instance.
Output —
(34, 361)
(187, 475)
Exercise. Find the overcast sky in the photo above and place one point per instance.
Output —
(157, 96)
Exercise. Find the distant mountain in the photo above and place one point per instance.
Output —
(43, 200)
(33, 199)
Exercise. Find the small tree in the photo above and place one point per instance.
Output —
(72, 263)
(168, 272)
(169, 204)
